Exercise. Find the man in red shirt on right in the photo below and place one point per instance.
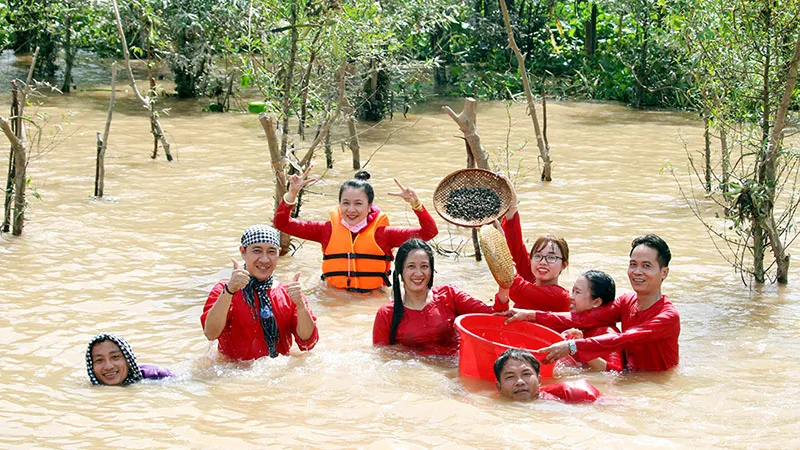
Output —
(650, 322)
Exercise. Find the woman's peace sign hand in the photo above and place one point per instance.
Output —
(298, 182)
(407, 194)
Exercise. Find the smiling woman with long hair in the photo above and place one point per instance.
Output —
(421, 315)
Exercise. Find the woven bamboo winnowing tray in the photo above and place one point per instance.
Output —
(497, 255)
(476, 178)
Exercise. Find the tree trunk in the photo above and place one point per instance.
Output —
(102, 142)
(304, 83)
(707, 152)
(723, 145)
(544, 151)
(758, 252)
(476, 243)
(476, 156)
(328, 152)
(69, 55)
(158, 132)
(269, 124)
(466, 122)
(775, 144)
(10, 179)
(352, 142)
(287, 85)
(20, 163)
(99, 171)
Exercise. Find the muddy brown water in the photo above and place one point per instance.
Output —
(141, 261)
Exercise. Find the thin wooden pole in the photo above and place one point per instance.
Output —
(102, 142)
(10, 180)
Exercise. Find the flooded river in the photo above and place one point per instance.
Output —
(141, 262)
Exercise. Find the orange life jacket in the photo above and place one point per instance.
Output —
(359, 264)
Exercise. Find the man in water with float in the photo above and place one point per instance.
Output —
(517, 373)
(357, 241)
(253, 315)
(650, 322)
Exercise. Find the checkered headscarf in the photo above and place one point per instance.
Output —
(264, 314)
(134, 374)
(261, 234)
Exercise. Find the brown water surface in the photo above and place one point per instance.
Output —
(141, 261)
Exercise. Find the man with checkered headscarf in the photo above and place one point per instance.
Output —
(251, 314)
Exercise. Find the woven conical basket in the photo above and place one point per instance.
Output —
(497, 255)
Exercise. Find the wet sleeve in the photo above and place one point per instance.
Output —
(532, 296)
(311, 230)
(382, 325)
(519, 253)
(308, 344)
(392, 237)
(600, 316)
(465, 303)
(613, 358)
(663, 326)
(216, 291)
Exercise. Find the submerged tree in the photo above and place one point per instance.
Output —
(747, 56)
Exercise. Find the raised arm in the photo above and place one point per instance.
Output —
(304, 323)
(512, 228)
(215, 311)
(392, 237)
(311, 230)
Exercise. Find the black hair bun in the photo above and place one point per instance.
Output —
(362, 175)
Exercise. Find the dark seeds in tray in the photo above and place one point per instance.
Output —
(472, 203)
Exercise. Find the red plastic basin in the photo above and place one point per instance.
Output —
(484, 337)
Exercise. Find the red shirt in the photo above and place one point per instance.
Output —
(527, 295)
(524, 291)
(243, 337)
(613, 358)
(519, 253)
(387, 238)
(649, 338)
(430, 330)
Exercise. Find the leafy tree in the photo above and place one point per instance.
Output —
(746, 57)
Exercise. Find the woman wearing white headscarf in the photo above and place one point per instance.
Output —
(252, 315)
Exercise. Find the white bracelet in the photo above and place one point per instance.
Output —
(572, 347)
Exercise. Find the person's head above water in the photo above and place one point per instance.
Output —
(110, 361)
(414, 265)
(549, 256)
(649, 264)
(355, 198)
(592, 289)
(260, 248)
(517, 373)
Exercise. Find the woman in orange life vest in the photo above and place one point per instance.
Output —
(357, 240)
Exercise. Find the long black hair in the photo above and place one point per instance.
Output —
(359, 181)
(400, 261)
